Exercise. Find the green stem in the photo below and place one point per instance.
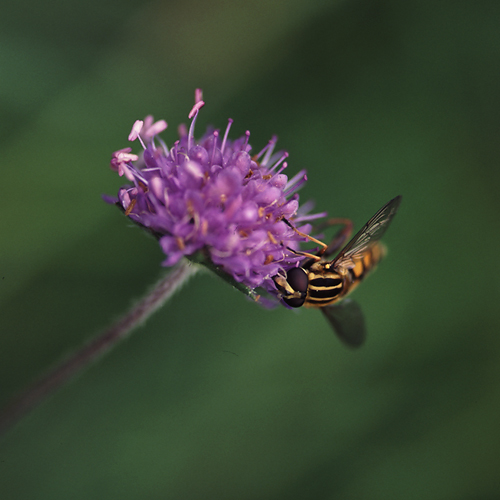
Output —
(98, 346)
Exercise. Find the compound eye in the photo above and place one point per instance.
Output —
(297, 279)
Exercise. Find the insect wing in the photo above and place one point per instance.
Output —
(338, 241)
(348, 322)
(371, 232)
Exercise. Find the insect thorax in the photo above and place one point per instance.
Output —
(325, 285)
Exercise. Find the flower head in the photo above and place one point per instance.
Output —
(210, 201)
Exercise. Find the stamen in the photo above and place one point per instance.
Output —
(282, 168)
(270, 149)
(285, 155)
(309, 217)
(195, 109)
(305, 208)
(138, 178)
(153, 169)
(191, 127)
(216, 134)
(121, 158)
(136, 130)
(173, 152)
(295, 183)
(194, 114)
(164, 146)
(182, 130)
(247, 136)
(155, 129)
(270, 144)
(229, 123)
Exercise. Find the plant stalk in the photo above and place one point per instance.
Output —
(95, 348)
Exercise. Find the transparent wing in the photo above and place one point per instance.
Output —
(371, 232)
(348, 321)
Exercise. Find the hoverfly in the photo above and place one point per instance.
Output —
(323, 283)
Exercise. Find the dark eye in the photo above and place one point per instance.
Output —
(297, 279)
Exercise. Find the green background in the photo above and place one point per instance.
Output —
(216, 397)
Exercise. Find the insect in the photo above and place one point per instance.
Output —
(323, 283)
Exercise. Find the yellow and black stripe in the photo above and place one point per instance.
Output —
(329, 283)
(325, 287)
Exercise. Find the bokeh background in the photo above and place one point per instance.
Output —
(215, 397)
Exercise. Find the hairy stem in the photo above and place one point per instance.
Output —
(98, 346)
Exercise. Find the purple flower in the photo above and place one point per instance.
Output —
(210, 201)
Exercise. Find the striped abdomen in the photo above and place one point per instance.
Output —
(329, 283)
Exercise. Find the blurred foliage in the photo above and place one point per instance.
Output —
(216, 397)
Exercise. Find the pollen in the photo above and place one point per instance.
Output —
(272, 239)
(131, 206)
(180, 243)
(204, 227)
(268, 260)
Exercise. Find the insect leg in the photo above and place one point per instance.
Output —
(339, 239)
(304, 235)
(304, 254)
